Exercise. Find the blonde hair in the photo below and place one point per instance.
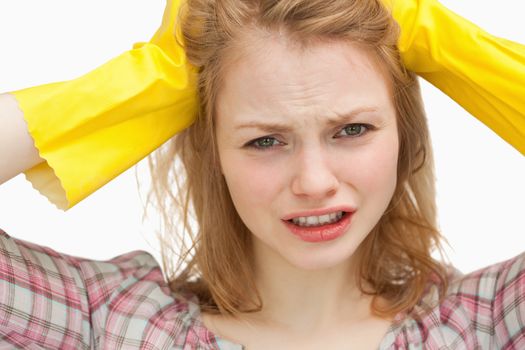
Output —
(213, 261)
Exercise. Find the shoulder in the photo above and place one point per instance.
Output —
(481, 309)
(141, 308)
(85, 303)
(493, 298)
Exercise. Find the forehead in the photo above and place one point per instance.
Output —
(274, 79)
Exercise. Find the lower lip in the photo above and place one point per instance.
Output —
(322, 233)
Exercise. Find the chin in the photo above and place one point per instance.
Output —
(321, 259)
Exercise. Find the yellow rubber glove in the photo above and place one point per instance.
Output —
(483, 73)
(91, 129)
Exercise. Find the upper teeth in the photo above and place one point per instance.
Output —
(318, 220)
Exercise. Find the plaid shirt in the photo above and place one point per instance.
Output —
(50, 300)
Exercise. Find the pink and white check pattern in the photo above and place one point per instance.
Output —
(50, 300)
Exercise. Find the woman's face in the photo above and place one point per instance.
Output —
(307, 133)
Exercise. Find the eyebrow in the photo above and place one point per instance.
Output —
(283, 128)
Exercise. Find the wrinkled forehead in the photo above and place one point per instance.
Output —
(273, 76)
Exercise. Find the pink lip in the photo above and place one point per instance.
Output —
(319, 212)
(321, 233)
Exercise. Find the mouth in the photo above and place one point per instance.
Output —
(318, 221)
(315, 229)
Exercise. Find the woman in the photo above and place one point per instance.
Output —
(328, 128)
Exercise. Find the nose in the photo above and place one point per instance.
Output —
(313, 175)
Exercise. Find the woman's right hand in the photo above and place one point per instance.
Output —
(17, 149)
(92, 128)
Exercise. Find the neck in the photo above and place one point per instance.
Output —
(307, 300)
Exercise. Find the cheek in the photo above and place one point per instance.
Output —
(252, 183)
(373, 172)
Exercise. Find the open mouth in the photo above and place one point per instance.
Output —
(315, 229)
(317, 221)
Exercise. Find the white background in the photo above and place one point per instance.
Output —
(480, 178)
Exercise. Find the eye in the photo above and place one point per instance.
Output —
(355, 130)
(263, 143)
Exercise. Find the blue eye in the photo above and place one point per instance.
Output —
(263, 143)
(349, 131)
(355, 130)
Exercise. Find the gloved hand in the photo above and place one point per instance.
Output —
(483, 73)
(91, 129)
